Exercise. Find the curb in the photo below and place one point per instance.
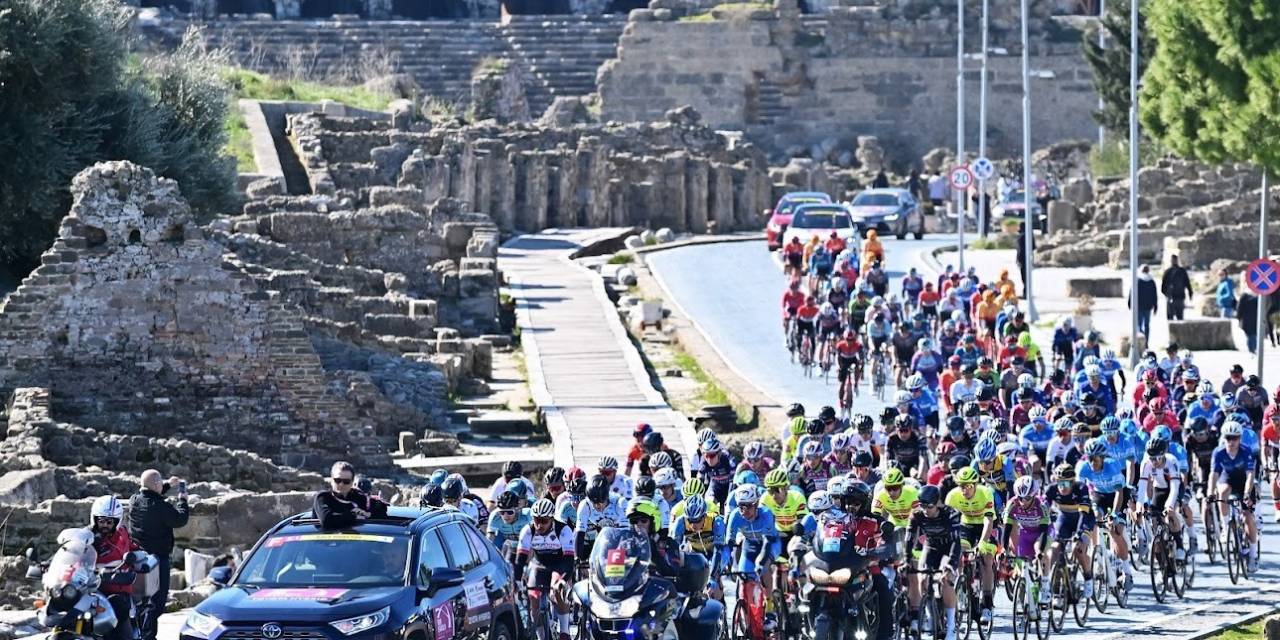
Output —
(698, 240)
(1245, 619)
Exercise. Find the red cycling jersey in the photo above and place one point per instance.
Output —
(848, 348)
(807, 312)
(791, 301)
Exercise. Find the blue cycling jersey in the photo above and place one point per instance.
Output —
(1210, 415)
(1124, 448)
(1109, 479)
(926, 403)
(1180, 454)
(1223, 463)
(755, 531)
(500, 532)
(1249, 438)
(1037, 438)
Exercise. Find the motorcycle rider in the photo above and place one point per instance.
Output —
(113, 544)
(872, 535)
(644, 517)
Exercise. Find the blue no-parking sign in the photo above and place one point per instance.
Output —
(1262, 276)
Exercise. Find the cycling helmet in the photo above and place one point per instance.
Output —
(652, 442)
(916, 381)
(967, 475)
(1065, 471)
(746, 476)
(1109, 355)
(835, 486)
(1191, 374)
(438, 476)
(695, 508)
(776, 478)
(815, 427)
(867, 423)
(521, 487)
(598, 489)
(509, 500)
(1090, 361)
(1024, 487)
(705, 434)
(452, 488)
(972, 409)
(955, 424)
(660, 460)
(746, 494)
(948, 325)
(712, 447)
(1026, 381)
(1093, 371)
(985, 450)
(1232, 429)
(1065, 423)
(608, 463)
(796, 409)
(432, 496)
(1163, 432)
(945, 449)
(1000, 425)
(553, 476)
(513, 469)
(1008, 449)
(754, 450)
(1092, 336)
(1205, 388)
(1198, 425)
(902, 397)
(958, 462)
(1110, 425)
(903, 421)
(643, 429)
(893, 478)
(812, 449)
(577, 486)
(1037, 413)
(665, 477)
(1095, 448)
(543, 508)
(827, 414)
(1185, 356)
(929, 495)
(877, 301)
(819, 501)
(107, 506)
(862, 459)
(841, 441)
(984, 361)
(644, 507)
(1157, 447)
(924, 344)
(645, 486)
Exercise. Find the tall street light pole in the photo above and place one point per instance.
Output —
(982, 123)
(1102, 44)
(960, 195)
(1262, 253)
(1029, 227)
(1133, 182)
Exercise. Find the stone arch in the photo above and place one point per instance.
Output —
(94, 236)
(135, 236)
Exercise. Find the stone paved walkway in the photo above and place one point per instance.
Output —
(584, 372)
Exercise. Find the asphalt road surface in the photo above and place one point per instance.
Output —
(732, 292)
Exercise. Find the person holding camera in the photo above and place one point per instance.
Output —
(152, 520)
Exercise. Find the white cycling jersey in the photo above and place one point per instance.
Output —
(592, 520)
(1166, 477)
(556, 542)
(623, 487)
(466, 506)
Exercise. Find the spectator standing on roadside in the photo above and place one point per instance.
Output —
(914, 185)
(1226, 294)
(1247, 314)
(152, 520)
(343, 505)
(937, 191)
(1022, 253)
(1176, 287)
(1148, 301)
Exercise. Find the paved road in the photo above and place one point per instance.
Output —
(732, 293)
(584, 374)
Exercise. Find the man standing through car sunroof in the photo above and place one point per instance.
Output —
(343, 505)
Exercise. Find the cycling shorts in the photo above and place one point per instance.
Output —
(878, 343)
(749, 551)
(832, 331)
(971, 533)
(795, 259)
(1161, 500)
(1235, 479)
(804, 327)
(823, 272)
(929, 311)
(1103, 503)
(540, 572)
(1025, 543)
(1070, 524)
(932, 557)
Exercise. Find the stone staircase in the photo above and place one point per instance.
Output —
(769, 102)
(562, 53)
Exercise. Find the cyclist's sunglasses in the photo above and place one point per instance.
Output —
(542, 521)
(507, 512)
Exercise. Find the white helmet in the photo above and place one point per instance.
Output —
(1232, 430)
(746, 494)
(915, 381)
(837, 283)
(1090, 361)
(827, 308)
(666, 477)
(1026, 380)
(543, 508)
(902, 397)
(820, 501)
(1185, 356)
(1093, 371)
(877, 301)
(106, 507)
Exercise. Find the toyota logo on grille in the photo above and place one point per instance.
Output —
(271, 631)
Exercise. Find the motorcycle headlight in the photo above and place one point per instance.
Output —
(818, 576)
(362, 623)
(615, 610)
(841, 576)
(199, 625)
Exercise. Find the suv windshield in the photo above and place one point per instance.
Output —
(327, 560)
(876, 200)
(813, 218)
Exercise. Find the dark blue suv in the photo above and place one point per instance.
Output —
(414, 575)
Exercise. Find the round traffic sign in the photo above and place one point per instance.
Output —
(1262, 276)
(983, 169)
(961, 177)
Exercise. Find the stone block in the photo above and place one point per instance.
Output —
(408, 442)
(28, 488)
(1062, 216)
(1202, 334)
(1096, 287)
(243, 518)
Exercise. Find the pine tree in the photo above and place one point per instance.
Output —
(1213, 88)
(1110, 65)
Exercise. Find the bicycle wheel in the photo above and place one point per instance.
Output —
(1021, 610)
(1060, 588)
(964, 615)
(1242, 553)
(741, 624)
(1211, 535)
(1079, 603)
(1231, 552)
(783, 630)
(1101, 571)
(932, 619)
(1155, 567)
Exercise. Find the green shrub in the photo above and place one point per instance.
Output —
(622, 258)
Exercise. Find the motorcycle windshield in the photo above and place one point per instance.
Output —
(619, 563)
(73, 564)
(836, 545)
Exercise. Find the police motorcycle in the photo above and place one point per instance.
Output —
(625, 601)
(72, 607)
(840, 591)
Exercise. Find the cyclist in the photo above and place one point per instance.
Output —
(753, 459)
(1064, 340)
(1233, 475)
(637, 449)
(934, 533)
(863, 470)
(904, 350)
(1270, 439)
(994, 470)
(829, 326)
(506, 522)
(849, 356)
(599, 510)
(821, 263)
(618, 483)
(788, 506)
(700, 531)
(976, 505)
(751, 529)
(1062, 448)
(454, 494)
(511, 470)
(575, 491)
(1105, 478)
(1035, 437)
(814, 473)
(858, 308)
(906, 448)
(1027, 514)
(792, 299)
(668, 495)
(694, 487)
(894, 500)
(717, 470)
(1075, 521)
(546, 546)
(1158, 487)
(924, 402)
(840, 460)
(872, 251)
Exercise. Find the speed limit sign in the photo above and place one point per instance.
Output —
(961, 177)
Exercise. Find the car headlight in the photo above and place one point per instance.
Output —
(891, 217)
(200, 625)
(362, 623)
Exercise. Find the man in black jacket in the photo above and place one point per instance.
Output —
(343, 505)
(152, 520)
(1176, 286)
